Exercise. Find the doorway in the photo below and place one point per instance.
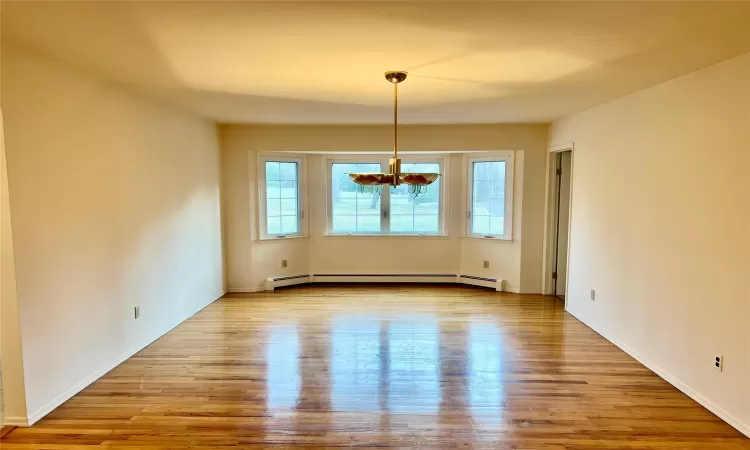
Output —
(557, 231)
(563, 168)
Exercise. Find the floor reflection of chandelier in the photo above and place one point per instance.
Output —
(417, 182)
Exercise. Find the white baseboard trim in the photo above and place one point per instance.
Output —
(384, 278)
(16, 421)
(673, 380)
(241, 290)
(78, 387)
(272, 283)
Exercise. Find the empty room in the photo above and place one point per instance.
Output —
(373, 224)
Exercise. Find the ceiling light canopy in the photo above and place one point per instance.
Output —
(417, 181)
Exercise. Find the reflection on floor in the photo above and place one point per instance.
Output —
(373, 366)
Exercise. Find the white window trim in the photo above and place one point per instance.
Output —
(385, 200)
(301, 195)
(469, 161)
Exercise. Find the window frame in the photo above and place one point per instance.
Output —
(508, 158)
(385, 199)
(301, 195)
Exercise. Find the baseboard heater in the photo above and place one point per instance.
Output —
(272, 283)
(493, 283)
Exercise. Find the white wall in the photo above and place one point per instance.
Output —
(661, 229)
(13, 391)
(115, 203)
(249, 261)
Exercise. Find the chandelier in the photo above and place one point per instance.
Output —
(417, 182)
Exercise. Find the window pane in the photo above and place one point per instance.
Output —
(281, 198)
(288, 189)
(497, 225)
(402, 223)
(273, 189)
(272, 171)
(273, 225)
(354, 211)
(289, 224)
(273, 207)
(426, 223)
(368, 224)
(419, 213)
(480, 224)
(288, 207)
(288, 171)
(488, 197)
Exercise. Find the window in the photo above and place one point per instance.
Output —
(383, 210)
(490, 202)
(354, 211)
(416, 214)
(280, 197)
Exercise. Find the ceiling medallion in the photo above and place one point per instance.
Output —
(417, 182)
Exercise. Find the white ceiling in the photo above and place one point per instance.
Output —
(323, 63)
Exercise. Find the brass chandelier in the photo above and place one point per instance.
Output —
(417, 182)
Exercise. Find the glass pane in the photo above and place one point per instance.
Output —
(273, 189)
(288, 189)
(407, 209)
(288, 207)
(272, 171)
(368, 224)
(498, 171)
(289, 224)
(497, 225)
(346, 223)
(288, 171)
(281, 198)
(497, 207)
(480, 224)
(488, 197)
(273, 207)
(401, 223)
(427, 224)
(273, 225)
(354, 211)
(482, 171)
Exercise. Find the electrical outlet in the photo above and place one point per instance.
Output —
(593, 295)
(719, 363)
(284, 264)
(486, 264)
(136, 312)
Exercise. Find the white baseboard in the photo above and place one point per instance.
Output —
(16, 421)
(241, 290)
(674, 381)
(384, 278)
(78, 387)
(271, 283)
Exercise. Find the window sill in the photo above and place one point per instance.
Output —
(385, 235)
(282, 238)
(489, 238)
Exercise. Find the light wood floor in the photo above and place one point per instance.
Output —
(407, 367)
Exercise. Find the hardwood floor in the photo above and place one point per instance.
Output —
(395, 366)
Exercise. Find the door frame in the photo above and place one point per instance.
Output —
(550, 215)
